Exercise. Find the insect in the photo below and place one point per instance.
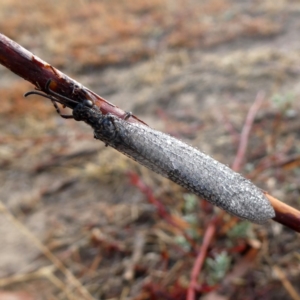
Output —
(173, 159)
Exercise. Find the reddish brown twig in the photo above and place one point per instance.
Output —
(236, 166)
(175, 221)
(25, 64)
(33, 69)
(162, 211)
(209, 234)
(285, 214)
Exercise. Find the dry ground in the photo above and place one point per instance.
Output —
(189, 68)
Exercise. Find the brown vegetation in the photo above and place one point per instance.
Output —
(202, 66)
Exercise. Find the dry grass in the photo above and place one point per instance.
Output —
(101, 33)
(189, 68)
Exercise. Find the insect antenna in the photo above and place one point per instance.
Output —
(69, 102)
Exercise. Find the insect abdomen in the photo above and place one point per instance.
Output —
(190, 168)
(183, 164)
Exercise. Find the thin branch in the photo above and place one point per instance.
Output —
(25, 64)
(209, 235)
(286, 283)
(236, 166)
(33, 69)
(285, 214)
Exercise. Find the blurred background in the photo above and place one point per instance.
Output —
(189, 68)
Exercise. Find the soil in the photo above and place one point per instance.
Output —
(191, 69)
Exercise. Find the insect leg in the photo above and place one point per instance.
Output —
(127, 115)
(59, 112)
(53, 100)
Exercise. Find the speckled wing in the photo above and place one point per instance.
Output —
(183, 164)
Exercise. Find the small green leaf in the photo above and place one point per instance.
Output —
(240, 230)
(217, 267)
(190, 202)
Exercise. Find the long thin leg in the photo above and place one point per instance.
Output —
(53, 100)
(58, 111)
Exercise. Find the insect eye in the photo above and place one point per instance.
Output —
(88, 103)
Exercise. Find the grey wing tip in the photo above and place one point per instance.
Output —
(265, 213)
(255, 206)
(251, 205)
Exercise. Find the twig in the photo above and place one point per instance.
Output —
(285, 214)
(286, 283)
(44, 272)
(209, 234)
(138, 247)
(236, 166)
(33, 69)
(174, 220)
